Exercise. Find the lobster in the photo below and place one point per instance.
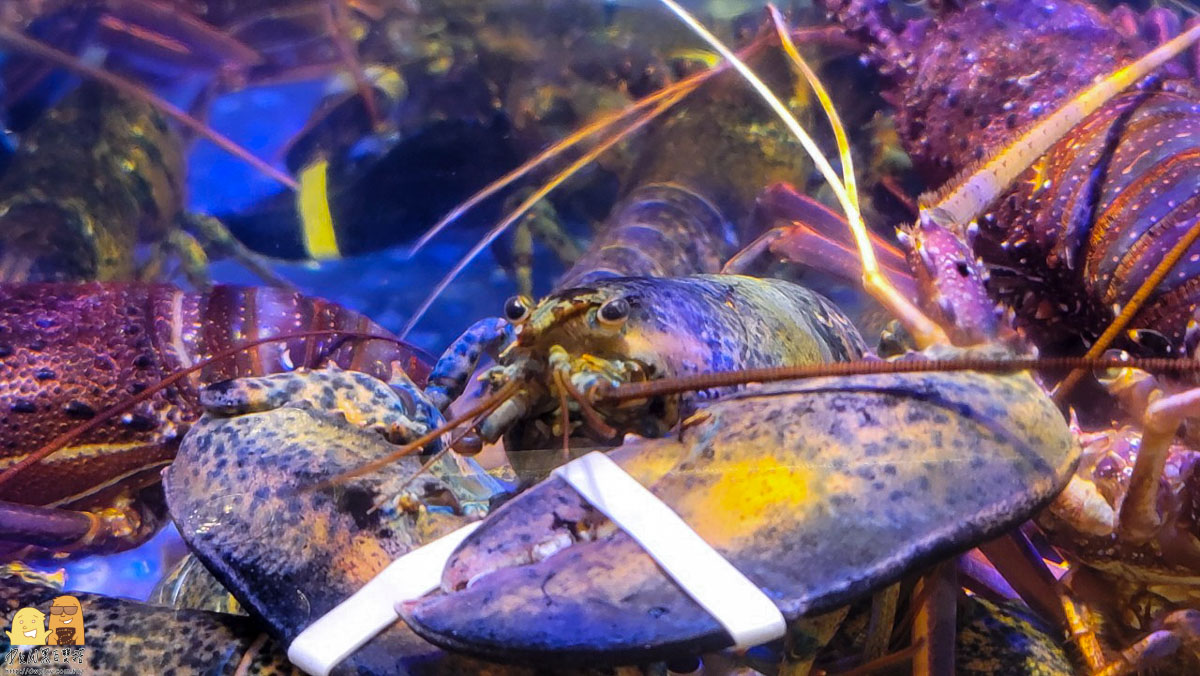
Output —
(678, 220)
(69, 353)
(93, 177)
(547, 554)
(1087, 223)
(1092, 244)
(631, 309)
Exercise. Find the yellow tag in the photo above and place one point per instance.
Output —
(316, 222)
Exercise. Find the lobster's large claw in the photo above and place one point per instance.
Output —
(817, 492)
(242, 492)
(550, 592)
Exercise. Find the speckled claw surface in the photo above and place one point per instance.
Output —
(122, 635)
(806, 488)
(242, 492)
(395, 409)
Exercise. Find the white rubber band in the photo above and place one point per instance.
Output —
(370, 610)
(738, 604)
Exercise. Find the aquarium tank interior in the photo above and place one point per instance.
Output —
(600, 337)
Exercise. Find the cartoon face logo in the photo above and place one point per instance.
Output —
(66, 622)
(28, 627)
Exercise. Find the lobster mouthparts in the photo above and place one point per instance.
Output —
(807, 489)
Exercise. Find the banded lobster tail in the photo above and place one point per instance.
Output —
(71, 353)
(659, 230)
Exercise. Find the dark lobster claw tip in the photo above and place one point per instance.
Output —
(529, 586)
(592, 604)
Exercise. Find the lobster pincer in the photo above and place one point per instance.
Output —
(803, 487)
(248, 474)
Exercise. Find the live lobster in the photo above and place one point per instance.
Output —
(71, 352)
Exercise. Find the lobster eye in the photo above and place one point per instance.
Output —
(516, 309)
(614, 311)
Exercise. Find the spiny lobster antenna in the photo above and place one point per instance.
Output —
(923, 329)
(25, 44)
(584, 160)
(703, 381)
(111, 412)
(688, 85)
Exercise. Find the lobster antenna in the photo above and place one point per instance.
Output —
(976, 188)
(777, 106)
(132, 89)
(924, 331)
(770, 374)
(558, 179)
(335, 14)
(109, 413)
(835, 120)
(684, 86)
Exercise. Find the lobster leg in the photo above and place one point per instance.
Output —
(1015, 557)
(42, 526)
(1177, 629)
(805, 637)
(819, 237)
(1080, 625)
(934, 626)
(217, 237)
(28, 529)
(449, 376)
(541, 223)
(883, 620)
(1139, 518)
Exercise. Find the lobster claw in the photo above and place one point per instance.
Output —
(806, 489)
(548, 575)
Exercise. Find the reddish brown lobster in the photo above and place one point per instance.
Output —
(70, 353)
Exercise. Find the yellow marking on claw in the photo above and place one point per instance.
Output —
(978, 187)
(316, 221)
(738, 495)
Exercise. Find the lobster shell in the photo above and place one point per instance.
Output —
(70, 351)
